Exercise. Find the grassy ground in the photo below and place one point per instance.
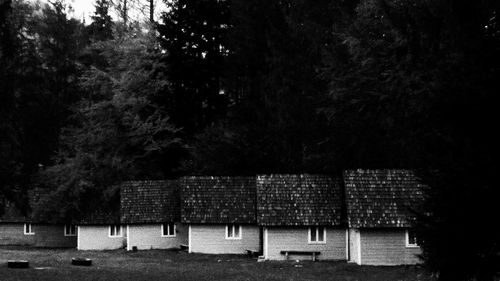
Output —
(54, 264)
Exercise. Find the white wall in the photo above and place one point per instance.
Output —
(96, 237)
(149, 236)
(211, 239)
(297, 239)
(385, 247)
(354, 246)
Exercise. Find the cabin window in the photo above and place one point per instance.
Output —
(168, 230)
(317, 234)
(412, 239)
(233, 231)
(69, 230)
(28, 229)
(115, 231)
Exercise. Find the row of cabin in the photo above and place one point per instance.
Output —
(362, 216)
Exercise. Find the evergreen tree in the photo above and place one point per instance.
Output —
(271, 79)
(191, 33)
(101, 28)
(37, 80)
(414, 84)
(118, 132)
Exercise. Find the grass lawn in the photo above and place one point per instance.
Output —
(55, 264)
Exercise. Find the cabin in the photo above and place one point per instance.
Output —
(20, 228)
(381, 207)
(301, 216)
(220, 214)
(151, 212)
(13, 226)
(102, 230)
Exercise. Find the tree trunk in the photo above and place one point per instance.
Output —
(125, 13)
(151, 11)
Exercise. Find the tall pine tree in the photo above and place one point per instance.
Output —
(101, 28)
(191, 33)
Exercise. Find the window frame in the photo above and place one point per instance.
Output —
(115, 226)
(233, 228)
(163, 230)
(316, 231)
(66, 230)
(408, 244)
(31, 232)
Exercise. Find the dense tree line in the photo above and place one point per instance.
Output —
(245, 87)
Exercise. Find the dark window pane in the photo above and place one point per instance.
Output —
(321, 234)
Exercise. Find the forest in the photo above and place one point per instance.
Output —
(240, 87)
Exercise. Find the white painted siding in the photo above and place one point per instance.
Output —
(96, 237)
(149, 236)
(296, 238)
(211, 239)
(386, 247)
(354, 243)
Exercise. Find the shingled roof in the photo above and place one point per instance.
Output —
(11, 212)
(150, 201)
(102, 217)
(219, 199)
(299, 200)
(105, 211)
(382, 198)
(14, 213)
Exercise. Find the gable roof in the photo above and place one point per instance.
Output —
(381, 198)
(150, 201)
(17, 213)
(11, 212)
(299, 200)
(101, 217)
(106, 210)
(219, 199)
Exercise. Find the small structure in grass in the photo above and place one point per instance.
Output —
(18, 264)
(81, 261)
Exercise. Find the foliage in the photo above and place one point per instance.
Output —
(271, 80)
(192, 33)
(261, 87)
(37, 77)
(413, 84)
(118, 133)
(101, 28)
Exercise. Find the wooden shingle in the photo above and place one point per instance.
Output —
(382, 198)
(11, 212)
(299, 200)
(150, 201)
(14, 213)
(102, 216)
(218, 199)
